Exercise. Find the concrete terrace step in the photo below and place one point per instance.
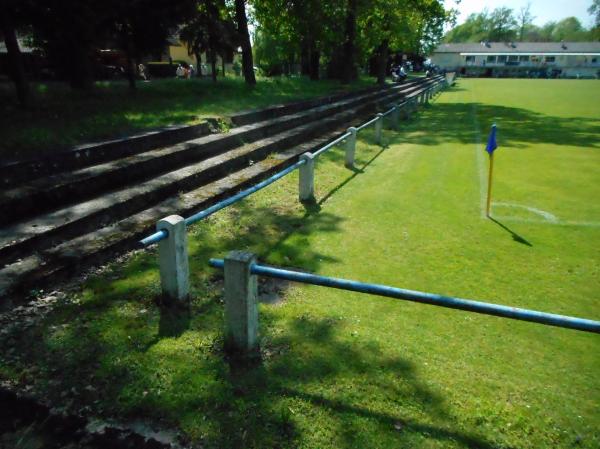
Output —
(44, 194)
(47, 229)
(95, 247)
(16, 171)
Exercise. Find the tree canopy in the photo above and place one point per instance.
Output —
(503, 25)
(344, 34)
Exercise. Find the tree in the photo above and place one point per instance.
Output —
(210, 29)
(502, 25)
(141, 27)
(498, 26)
(242, 27)
(474, 29)
(569, 29)
(68, 31)
(11, 17)
(594, 10)
(525, 19)
(311, 29)
(412, 26)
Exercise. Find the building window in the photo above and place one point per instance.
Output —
(594, 60)
(523, 58)
(513, 58)
(491, 59)
(550, 59)
(501, 59)
(470, 58)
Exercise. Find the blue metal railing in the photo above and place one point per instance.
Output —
(163, 234)
(469, 305)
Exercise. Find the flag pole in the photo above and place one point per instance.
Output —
(490, 148)
(489, 190)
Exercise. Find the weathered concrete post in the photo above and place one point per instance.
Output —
(241, 303)
(378, 128)
(396, 117)
(306, 180)
(173, 259)
(350, 147)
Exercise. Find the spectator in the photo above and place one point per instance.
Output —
(142, 72)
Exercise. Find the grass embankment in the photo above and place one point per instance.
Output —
(60, 117)
(347, 370)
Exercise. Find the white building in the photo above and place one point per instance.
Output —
(520, 59)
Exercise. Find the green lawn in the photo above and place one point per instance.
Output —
(346, 370)
(60, 117)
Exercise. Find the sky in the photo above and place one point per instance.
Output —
(543, 10)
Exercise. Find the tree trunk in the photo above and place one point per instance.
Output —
(213, 64)
(130, 70)
(382, 59)
(349, 72)
(198, 57)
(80, 71)
(242, 23)
(315, 57)
(305, 58)
(223, 65)
(15, 59)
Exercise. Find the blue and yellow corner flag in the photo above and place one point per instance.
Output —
(491, 144)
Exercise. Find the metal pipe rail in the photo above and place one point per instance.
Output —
(425, 298)
(331, 144)
(163, 234)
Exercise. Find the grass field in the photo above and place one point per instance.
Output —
(346, 370)
(60, 117)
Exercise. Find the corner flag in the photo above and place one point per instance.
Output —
(490, 148)
(491, 144)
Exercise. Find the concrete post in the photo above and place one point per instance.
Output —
(241, 303)
(378, 128)
(173, 259)
(306, 180)
(350, 147)
(396, 117)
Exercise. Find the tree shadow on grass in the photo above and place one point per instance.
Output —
(312, 370)
(517, 127)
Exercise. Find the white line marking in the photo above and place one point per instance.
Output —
(587, 224)
(546, 215)
(480, 161)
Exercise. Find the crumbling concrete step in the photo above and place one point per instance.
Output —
(47, 229)
(41, 195)
(14, 172)
(64, 259)
(255, 115)
(17, 171)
